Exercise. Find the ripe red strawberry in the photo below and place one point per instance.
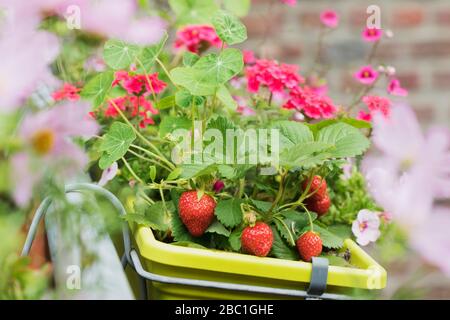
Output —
(309, 245)
(257, 240)
(319, 206)
(197, 215)
(318, 186)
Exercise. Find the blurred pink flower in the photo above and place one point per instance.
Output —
(197, 38)
(290, 2)
(329, 18)
(95, 63)
(376, 104)
(432, 240)
(366, 75)
(68, 91)
(372, 34)
(395, 88)
(243, 107)
(311, 104)
(26, 56)
(108, 174)
(249, 57)
(365, 116)
(47, 135)
(366, 227)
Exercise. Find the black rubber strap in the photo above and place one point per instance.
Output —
(319, 276)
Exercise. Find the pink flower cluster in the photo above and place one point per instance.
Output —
(67, 92)
(135, 104)
(375, 104)
(311, 103)
(197, 38)
(273, 75)
(329, 18)
(290, 2)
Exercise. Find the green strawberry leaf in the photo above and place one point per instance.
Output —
(228, 27)
(292, 133)
(262, 206)
(229, 212)
(97, 88)
(235, 239)
(300, 219)
(155, 214)
(306, 155)
(329, 239)
(284, 227)
(119, 54)
(217, 227)
(347, 140)
(280, 249)
(116, 142)
(190, 171)
(227, 172)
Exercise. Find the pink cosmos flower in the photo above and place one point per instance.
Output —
(366, 75)
(376, 105)
(276, 77)
(48, 135)
(311, 104)
(108, 174)
(329, 18)
(67, 92)
(290, 2)
(366, 227)
(372, 34)
(395, 88)
(197, 38)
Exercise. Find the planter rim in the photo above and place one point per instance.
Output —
(369, 275)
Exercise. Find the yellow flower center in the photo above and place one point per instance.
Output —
(43, 141)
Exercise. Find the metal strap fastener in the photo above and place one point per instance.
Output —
(319, 277)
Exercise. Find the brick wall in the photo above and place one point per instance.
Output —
(420, 49)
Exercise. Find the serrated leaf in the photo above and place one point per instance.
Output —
(226, 171)
(155, 215)
(217, 227)
(97, 88)
(224, 96)
(280, 249)
(190, 58)
(285, 231)
(343, 231)
(149, 54)
(359, 124)
(116, 142)
(119, 54)
(172, 123)
(292, 133)
(238, 7)
(193, 11)
(329, 239)
(347, 140)
(229, 28)
(306, 155)
(300, 219)
(184, 99)
(166, 103)
(235, 239)
(190, 171)
(229, 212)
(263, 206)
(174, 174)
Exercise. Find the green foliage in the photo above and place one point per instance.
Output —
(116, 143)
(292, 133)
(229, 29)
(229, 212)
(119, 54)
(189, 58)
(148, 55)
(280, 249)
(347, 140)
(172, 123)
(97, 88)
(193, 11)
(217, 227)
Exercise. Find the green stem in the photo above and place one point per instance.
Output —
(166, 72)
(148, 159)
(132, 171)
(311, 225)
(280, 192)
(148, 80)
(170, 165)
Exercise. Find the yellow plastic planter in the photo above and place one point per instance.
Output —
(205, 264)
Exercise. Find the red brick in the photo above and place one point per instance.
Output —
(431, 49)
(310, 19)
(443, 17)
(408, 17)
(410, 80)
(260, 25)
(441, 79)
